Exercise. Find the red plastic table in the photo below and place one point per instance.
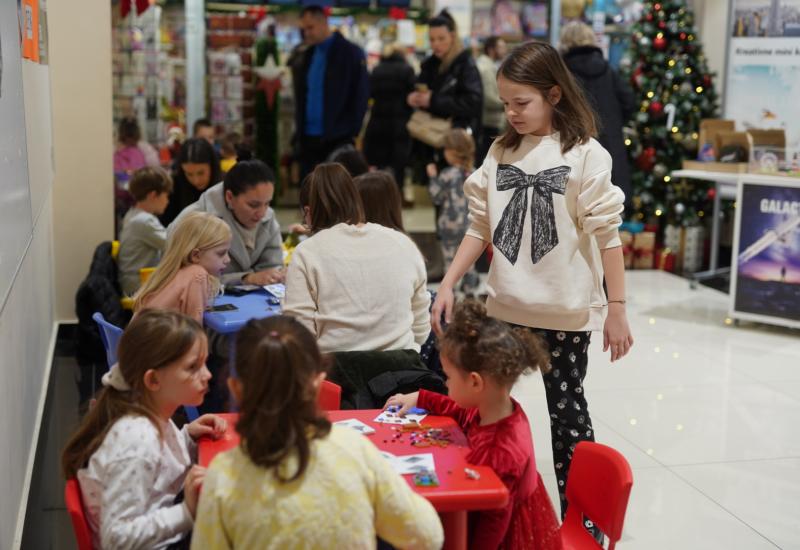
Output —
(453, 498)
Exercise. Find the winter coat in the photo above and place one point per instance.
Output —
(99, 292)
(387, 138)
(267, 252)
(369, 378)
(613, 101)
(346, 90)
(457, 93)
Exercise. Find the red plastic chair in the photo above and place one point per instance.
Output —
(330, 396)
(598, 488)
(72, 496)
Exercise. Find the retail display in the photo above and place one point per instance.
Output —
(148, 63)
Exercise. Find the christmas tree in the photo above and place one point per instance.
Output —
(670, 77)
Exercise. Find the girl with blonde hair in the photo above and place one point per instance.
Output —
(187, 277)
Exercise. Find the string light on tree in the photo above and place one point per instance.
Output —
(675, 90)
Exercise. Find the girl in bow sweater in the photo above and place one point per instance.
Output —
(545, 200)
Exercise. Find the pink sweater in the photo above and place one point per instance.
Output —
(187, 292)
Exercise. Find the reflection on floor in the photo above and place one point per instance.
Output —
(705, 412)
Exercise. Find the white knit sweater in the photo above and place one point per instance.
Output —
(359, 289)
(547, 215)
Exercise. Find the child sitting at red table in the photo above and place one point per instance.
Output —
(483, 358)
(130, 459)
(186, 279)
(296, 481)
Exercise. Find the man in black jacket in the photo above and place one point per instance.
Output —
(331, 92)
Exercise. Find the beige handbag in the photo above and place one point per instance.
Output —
(428, 129)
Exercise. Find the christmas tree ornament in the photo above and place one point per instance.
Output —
(656, 108)
(660, 43)
(689, 143)
(660, 170)
(680, 208)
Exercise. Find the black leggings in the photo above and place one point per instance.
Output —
(566, 400)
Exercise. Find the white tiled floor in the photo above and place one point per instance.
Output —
(705, 412)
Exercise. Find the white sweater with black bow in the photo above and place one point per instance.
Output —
(547, 216)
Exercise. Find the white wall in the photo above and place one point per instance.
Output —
(27, 329)
(71, 189)
(83, 195)
(711, 19)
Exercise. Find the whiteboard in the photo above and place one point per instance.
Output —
(15, 201)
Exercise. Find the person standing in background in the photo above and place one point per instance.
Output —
(195, 170)
(494, 51)
(203, 129)
(387, 143)
(331, 91)
(610, 96)
(448, 86)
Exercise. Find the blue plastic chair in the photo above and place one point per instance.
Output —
(110, 334)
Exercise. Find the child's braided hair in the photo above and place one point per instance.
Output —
(475, 342)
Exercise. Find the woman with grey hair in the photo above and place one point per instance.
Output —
(611, 97)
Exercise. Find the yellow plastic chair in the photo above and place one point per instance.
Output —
(144, 273)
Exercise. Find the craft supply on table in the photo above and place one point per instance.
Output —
(410, 464)
(390, 416)
(426, 479)
(356, 425)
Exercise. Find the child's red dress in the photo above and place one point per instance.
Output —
(528, 522)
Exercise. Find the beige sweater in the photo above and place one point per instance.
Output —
(359, 289)
(546, 270)
(188, 292)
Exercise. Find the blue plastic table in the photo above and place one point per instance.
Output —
(253, 305)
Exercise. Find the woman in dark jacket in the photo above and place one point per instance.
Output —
(450, 80)
(387, 143)
(609, 94)
(195, 170)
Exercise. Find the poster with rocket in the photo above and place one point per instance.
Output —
(765, 280)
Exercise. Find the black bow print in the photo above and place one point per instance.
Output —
(544, 237)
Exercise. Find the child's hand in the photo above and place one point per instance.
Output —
(299, 229)
(208, 424)
(432, 170)
(442, 305)
(617, 333)
(403, 400)
(191, 487)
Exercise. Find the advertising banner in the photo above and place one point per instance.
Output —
(765, 276)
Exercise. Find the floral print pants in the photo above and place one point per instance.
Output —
(566, 400)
